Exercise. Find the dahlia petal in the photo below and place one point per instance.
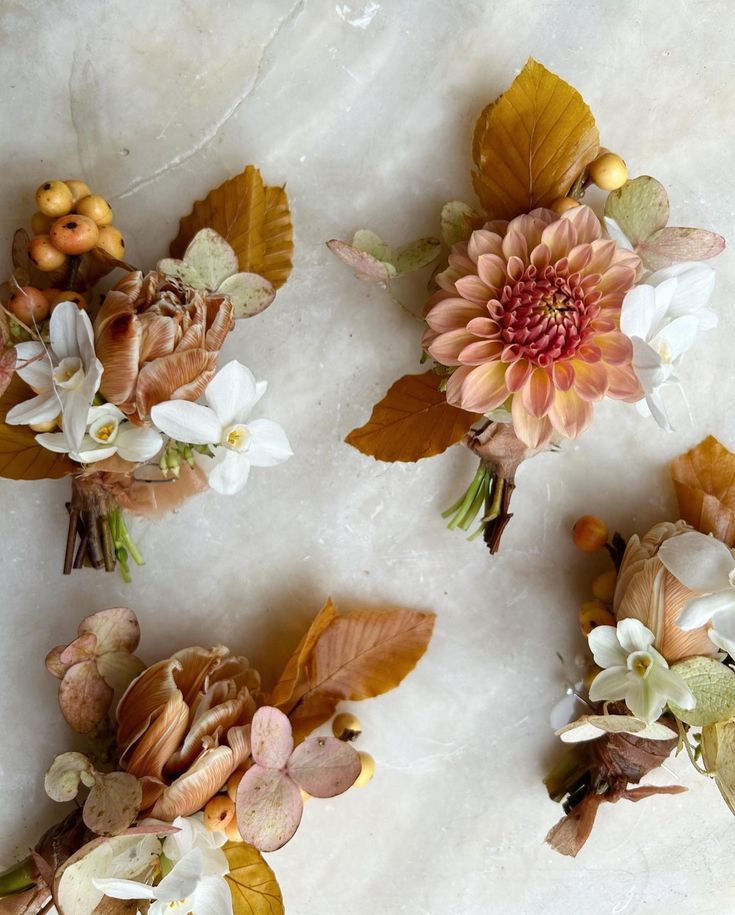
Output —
(498, 226)
(589, 352)
(563, 375)
(623, 383)
(590, 379)
(561, 237)
(530, 227)
(544, 215)
(579, 257)
(602, 254)
(616, 278)
(538, 393)
(472, 288)
(515, 245)
(616, 348)
(491, 270)
(480, 352)
(445, 348)
(627, 259)
(453, 313)
(569, 414)
(541, 256)
(484, 242)
(516, 268)
(517, 374)
(478, 389)
(586, 224)
(532, 431)
(483, 327)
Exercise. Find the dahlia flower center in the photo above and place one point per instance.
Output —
(545, 317)
(237, 438)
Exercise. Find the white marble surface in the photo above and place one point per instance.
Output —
(366, 111)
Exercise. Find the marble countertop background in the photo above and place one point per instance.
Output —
(366, 110)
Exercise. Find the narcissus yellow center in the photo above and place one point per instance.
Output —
(237, 438)
(104, 430)
(640, 663)
(69, 373)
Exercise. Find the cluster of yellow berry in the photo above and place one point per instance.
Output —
(608, 172)
(219, 812)
(70, 221)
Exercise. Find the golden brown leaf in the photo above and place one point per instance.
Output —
(531, 143)
(21, 457)
(253, 218)
(358, 655)
(412, 421)
(252, 883)
(294, 673)
(704, 481)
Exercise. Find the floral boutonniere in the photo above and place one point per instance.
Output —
(545, 301)
(194, 769)
(104, 386)
(661, 634)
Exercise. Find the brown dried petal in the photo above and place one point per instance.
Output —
(191, 791)
(117, 345)
(182, 375)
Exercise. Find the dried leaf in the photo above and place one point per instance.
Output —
(295, 674)
(704, 481)
(360, 654)
(372, 244)
(412, 421)
(95, 265)
(67, 771)
(7, 369)
(84, 697)
(252, 883)
(269, 808)
(531, 143)
(590, 727)
(255, 220)
(113, 803)
(713, 686)
(207, 261)
(416, 254)
(324, 766)
(363, 265)
(641, 210)
(718, 755)
(456, 222)
(21, 457)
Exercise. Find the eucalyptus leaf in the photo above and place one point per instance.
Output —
(250, 293)
(718, 755)
(590, 727)
(713, 686)
(416, 254)
(113, 803)
(363, 265)
(67, 771)
(182, 271)
(640, 207)
(372, 244)
(455, 222)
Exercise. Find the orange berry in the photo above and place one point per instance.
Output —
(50, 294)
(233, 783)
(53, 198)
(590, 533)
(74, 234)
(41, 223)
(96, 208)
(603, 587)
(68, 295)
(562, 204)
(78, 189)
(367, 771)
(218, 813)
(232, 831)
(29, 305)
(608, 171)
(592, 614)
(44, 255)
(111, 242)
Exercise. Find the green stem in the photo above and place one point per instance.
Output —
(17, 879)
(477, 503)
(467, 499)
(494, 509)
(124, 545)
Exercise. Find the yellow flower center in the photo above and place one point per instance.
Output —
(69, 373)
(104, 430)
(640, 663)
(237, 438)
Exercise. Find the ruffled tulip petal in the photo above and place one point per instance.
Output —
(191, 791)
(271, 738)
(269, 808)
(269, 445)
(188, 422)
(161, 737)
(180, 376)
(228, 472)
(700, 562)
(118, 348)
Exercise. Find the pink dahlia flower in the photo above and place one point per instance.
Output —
(531, 309)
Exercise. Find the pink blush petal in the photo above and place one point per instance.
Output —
(616, 279)
(515, 245)
(491, 270)
(324, 766)
(452, 313)
(563, 375)
(537, 394)
(586, 224)
(271, 738)
(472, 288)
(602, 253)
(569, 414)
(579, 257)
(623, 384)
(560, 238)
(516, 268)
(268, 807)
(532, 431)
(478, 389)
(483, 327)
(530, 227)
(446, 348)
(627, 259)
(517, 375)
(589, 352)
(480, 352)
(541, 256)
(590, 380)
(615, 347)
(484, 242)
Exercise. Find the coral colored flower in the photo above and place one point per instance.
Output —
(531, 309)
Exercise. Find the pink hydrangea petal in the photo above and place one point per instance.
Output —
(472, 288)
(480, 351)
(563, 375)
(269, 808)
(586, 224)
(324, 766)
(615, 347)
(532, 431)
(478, 389)
(538, 393)
(569, 414)
(517, 374)
(271, 738)
(590, 380)
(445, 348)
(451, 313)
(491, 270)
(484, 242)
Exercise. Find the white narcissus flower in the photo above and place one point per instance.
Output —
(65, 375)
(634, 671)
(196, 881)
(662, 317)
(705, 565)
(108, 433)
(237, 445)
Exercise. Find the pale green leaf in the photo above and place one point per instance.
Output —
(416, 254)
(182, 271)
(718, 755)
(455, 222)
(67, 771)
(640, 207)
(713, 686)
(250, 293)
(372, 244)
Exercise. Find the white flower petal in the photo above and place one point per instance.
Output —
(187, 422)
(663, 293)
(105, 410)
(74, 412)
(33, 365)
(676, 338)
(695, 283)
(40, 409)
(657, 409)
(212, 897)
(644, 701)
(617, 234)
(700, 562)
(634, 636)
(269, 445)
(53, 441)
(232, 393)
(698, 611)
(182, 879)
(138, 443)
(671, 685)
(229, 471)
(63, 330)
(605, 647)
(638, 311)
(610, 684)
(648, 365)
(116, 888)
(94, 454)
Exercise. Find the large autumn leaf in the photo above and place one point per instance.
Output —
(704, 481)
(531, 143)
(412, 421)
(21, 457)
(252, 883)
(356, 655)
(253, 218)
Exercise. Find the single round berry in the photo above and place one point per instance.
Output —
(608, 172)
(592, 614)
(367, 771)
(53, 198)
(562, 204)
(74, 234)
(590, 533)
(603, 587)
(45, 255)
(346, 727)
(232, 831)
(50, 294)
(96, 208)
(233, 783)
(111, 242)
(29, 305)
(218, 813)
(68, 295)
(41, 224)
(78, 189)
